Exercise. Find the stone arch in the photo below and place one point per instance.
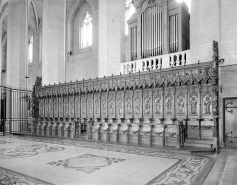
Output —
(75, 13)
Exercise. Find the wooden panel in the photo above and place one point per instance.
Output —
(77, 106)
(193, 103)
(104, 106)
(231, 122)
(206, 98)
(137, 104)
(169, 103)
(111, 104)
(90, 106)
(41, 107)
(55, 107)
(46, 107)
(66, 109)
(181, 102)
(83, 106)
(97, 105)
(158, 103)
(51, 109)
(71, 107)
(147, 103)
(120, 104)
(128, 104)
(61, 107)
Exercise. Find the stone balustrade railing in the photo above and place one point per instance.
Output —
(153, 63)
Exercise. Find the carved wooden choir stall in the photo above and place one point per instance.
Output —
(164, 107)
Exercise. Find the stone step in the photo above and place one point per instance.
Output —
(202, 143)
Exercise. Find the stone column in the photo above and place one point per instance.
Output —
(53, 41)
(111, 36)
(1, 49)
(16, 44)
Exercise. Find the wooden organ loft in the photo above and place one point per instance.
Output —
(157, 28)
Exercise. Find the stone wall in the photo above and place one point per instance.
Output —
(83, 63)
(216, 20)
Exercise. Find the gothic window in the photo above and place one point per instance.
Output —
(30, 49)
(86, 31)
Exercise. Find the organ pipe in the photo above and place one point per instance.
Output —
(151, 22)
(173, 33)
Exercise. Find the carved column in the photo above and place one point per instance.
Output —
(47, 129)
(200, 113)
(215, 95)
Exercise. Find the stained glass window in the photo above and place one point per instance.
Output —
(86, 31)
(30, 50)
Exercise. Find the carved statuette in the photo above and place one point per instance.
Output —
(180, 102)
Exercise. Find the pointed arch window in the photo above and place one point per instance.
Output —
(86, 31)
(30, 49)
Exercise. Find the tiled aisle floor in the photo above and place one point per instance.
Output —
(35, 160)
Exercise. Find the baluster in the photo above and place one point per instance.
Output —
(183, 58)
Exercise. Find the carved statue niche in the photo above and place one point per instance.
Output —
(168, 103)
(193, 103)
(137, 106)
(61, 107)
(51, 107)
(181, 103)
(66, 106)
(77, 106)
(41, 108)
(147, 102)
(157, 104)
(207, 103)
(112, 104)
(46, 107)
(90, 106)
(97, 107)
(83, 107)
(104, 107)
(120, 107)
(71, 107)
(129, 105)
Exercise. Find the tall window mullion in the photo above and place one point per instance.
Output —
(86, 31)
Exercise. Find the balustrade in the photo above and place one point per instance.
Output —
(154, 63)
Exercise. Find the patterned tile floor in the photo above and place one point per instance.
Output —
(37, 160)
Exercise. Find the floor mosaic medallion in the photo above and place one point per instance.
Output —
(8, 177)
(4, 142)
(27, 150)
(87, 163)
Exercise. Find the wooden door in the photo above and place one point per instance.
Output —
(231, 122)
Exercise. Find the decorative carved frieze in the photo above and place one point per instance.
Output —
(155, 94)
